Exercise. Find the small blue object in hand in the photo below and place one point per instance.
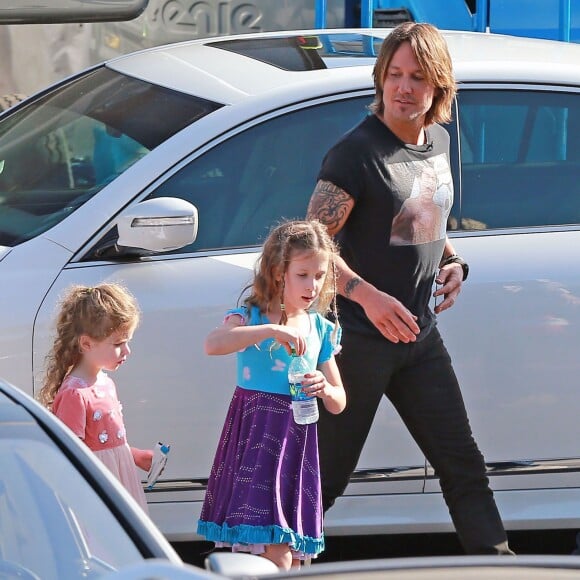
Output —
(158, 464)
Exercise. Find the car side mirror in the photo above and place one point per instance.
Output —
(235, 564)
(158, 225)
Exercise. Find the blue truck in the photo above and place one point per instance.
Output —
(552, 19)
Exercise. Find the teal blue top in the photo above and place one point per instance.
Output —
(264, 366)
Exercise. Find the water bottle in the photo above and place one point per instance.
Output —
(304, 408)
(158, 464)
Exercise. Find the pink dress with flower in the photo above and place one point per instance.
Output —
(94, 413)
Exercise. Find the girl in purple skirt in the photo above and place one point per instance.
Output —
(263, 494)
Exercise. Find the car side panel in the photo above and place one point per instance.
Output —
(513, 337)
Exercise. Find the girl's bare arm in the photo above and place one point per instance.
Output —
(233, 335)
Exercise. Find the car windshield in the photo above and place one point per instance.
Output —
(60, 150)
(52, 523)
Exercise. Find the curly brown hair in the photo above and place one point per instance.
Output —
(97, 312)
(432, 54)
(283, 243)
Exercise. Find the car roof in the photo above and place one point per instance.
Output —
(231, 69)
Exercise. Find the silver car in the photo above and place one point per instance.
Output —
(165, 169)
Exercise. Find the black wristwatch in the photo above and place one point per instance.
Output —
(455, 259)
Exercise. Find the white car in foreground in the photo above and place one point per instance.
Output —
(164, 170)
(62, 514)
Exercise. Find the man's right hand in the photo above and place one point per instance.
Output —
(391, 318)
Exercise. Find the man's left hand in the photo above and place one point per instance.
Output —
(449, 280)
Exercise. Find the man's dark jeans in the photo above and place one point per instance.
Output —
(419, 380)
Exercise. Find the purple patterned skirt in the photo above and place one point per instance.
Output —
(264, 486)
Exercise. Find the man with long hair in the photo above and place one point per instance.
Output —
(385, 191)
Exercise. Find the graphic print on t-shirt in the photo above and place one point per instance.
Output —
(424, 201)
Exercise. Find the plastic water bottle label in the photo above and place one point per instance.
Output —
(296, 391)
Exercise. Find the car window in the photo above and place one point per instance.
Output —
(306, 52)
(51, 520)
(60, 150)
(520, 158)
(247, 183)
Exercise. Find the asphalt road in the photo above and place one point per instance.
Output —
(339, 548)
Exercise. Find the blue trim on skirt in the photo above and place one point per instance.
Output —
(247, 535)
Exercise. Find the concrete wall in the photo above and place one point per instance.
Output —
(36, 55)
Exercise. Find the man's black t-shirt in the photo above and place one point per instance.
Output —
(395, 235)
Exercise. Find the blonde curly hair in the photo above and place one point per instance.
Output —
(95, 311)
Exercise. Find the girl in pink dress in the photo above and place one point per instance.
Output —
(93, 330)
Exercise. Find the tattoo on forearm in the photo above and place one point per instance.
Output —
(329, 204)
(351, 285)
